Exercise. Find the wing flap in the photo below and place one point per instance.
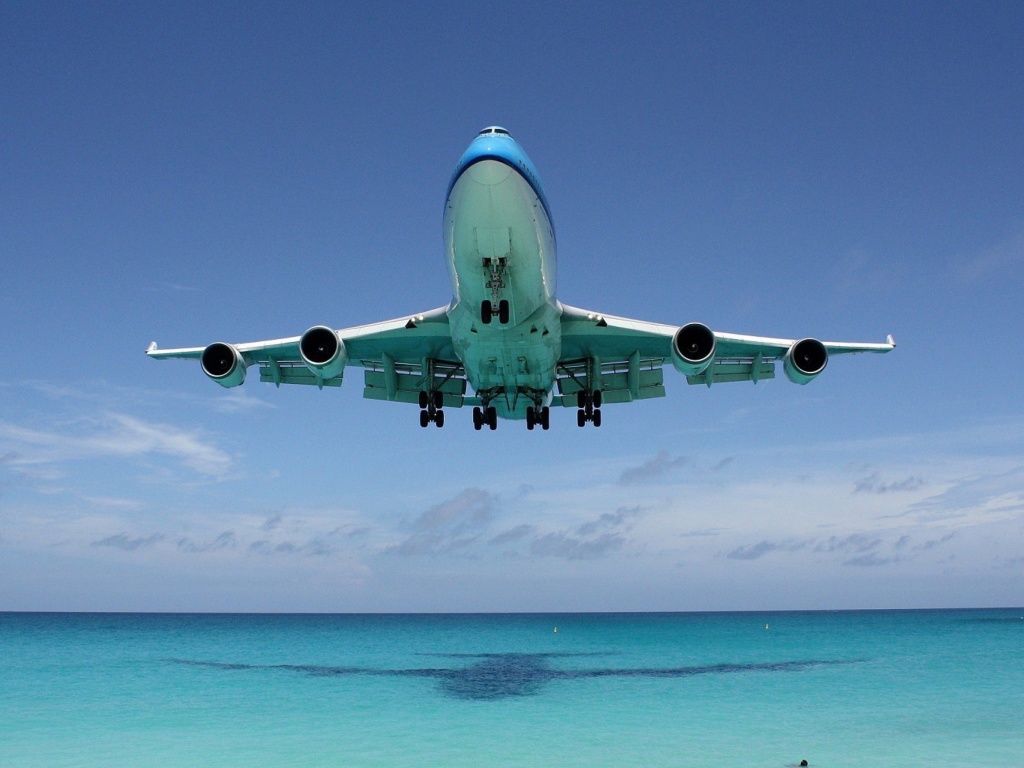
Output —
(405, 386)
(724, 371)
(290, 372)
(618, 381)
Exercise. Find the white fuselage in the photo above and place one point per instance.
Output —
(497, 229)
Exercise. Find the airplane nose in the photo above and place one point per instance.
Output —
(489, 172)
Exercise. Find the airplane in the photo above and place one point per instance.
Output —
(504, 334)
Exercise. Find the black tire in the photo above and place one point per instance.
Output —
(545, 420)
(503, 312)
(486, 312)
(478, 419)
(596, 418)
(438, 400)
(423, 400)
(439, 419)
(597, 398)
(492, 417)
(581, 399)
(424, 418)
(581, 418)
(531, 419)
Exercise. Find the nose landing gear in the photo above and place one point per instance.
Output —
(496, 271)
(488, 311)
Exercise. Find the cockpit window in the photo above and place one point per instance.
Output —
(494, 129)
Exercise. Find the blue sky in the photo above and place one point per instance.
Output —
(199, 172)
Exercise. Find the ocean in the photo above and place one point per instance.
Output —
(715, 690)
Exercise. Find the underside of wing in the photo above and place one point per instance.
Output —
(625, 357)
(401, 358)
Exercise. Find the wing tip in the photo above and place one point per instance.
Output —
(151, 348)
(890, 341)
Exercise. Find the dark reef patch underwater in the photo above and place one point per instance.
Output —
(501, 675)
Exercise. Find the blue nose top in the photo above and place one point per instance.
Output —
(496, 143)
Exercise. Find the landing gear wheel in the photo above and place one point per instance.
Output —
(486, 312)
(581, 399)
(424, 418)
(596, 418)
(503, 312)
(478, 419)
(597, 398)
(438, 400)
(492, 417)
(423, 400)
(439, 419)
(531, 418)
(581, 418)
(545, 417)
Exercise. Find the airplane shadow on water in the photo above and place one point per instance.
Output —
(496, 676)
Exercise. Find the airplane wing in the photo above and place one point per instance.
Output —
(400, 357)
(624, 358)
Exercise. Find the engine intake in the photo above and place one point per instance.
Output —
(323, 352)
(693, 348)
(805, 360)
(224, 364)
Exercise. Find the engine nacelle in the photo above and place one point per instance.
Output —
(693, 348)
(805, 360)
(323, 352)
(224, 364)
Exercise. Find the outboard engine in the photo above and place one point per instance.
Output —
(224, 364)
(323, 352)
(805, 360)
(693, 348)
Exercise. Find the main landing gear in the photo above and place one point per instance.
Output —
(487, 415)
(589, 408)
(430, 408)
(535, 416)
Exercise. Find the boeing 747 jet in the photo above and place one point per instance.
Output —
(505, 345)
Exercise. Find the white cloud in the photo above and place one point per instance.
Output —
(1004, 259)
(653, 469)
(129, 543)
(112, 434)
(453, 524)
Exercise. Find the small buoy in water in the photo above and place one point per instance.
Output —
(766, 626)
(556, 629)
(803, 764)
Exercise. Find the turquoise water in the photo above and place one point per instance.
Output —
(892, 688)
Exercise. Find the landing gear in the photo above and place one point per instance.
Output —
(428, 399)
(496, 270)
(535, 416)
(487, 311)
(589, 408)
(430, 408)
(485, 416)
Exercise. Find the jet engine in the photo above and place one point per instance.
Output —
(805, 360)
(693, 348)
(323, 352)
(224, 364)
